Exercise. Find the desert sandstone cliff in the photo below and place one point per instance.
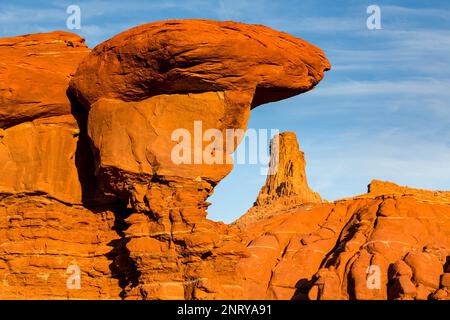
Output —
(87, 179)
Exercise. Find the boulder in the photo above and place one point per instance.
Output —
(179, 56)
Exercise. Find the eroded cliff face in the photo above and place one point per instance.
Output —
(47, 222)
(88, 178)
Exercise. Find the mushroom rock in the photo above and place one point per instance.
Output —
(113, 181)
(286, 185)
(180, 56)
(172, 72)
(145, 85)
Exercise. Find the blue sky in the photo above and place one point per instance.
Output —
(382, 112)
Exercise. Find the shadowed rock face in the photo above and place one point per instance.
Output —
(90, 182)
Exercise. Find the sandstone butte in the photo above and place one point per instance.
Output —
(86, 178)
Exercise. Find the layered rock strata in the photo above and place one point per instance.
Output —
(49, 220)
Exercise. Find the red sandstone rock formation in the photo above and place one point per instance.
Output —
(45, 225)
(286, 185)
(179, 56)
(135, 223)
(147, 82)
(391, 243)
(32, 63)
(324, 251)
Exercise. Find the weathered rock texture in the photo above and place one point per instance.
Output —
(88, 177)
(45, 222)
(390, 244)
(404, 232)
(34, 74)
(286, 185)
(146, 83)
(182, 56)
(41, 238)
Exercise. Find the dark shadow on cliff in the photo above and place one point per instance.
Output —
(302, 288)
(122, 266)
(84, 159)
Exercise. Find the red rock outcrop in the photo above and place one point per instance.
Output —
(145, 84)
(42, 239)
(179, 56)
(37, 129)
(385, 230)
(88, 178)
(374, 246)
(45, 226)
(391, 243)
(286, 185)
(35, 71)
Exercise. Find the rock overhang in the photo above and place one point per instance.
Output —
(179, 56)
(170, 72)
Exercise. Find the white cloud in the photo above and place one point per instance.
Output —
(386, 87)
(318, 24)
(418, 12)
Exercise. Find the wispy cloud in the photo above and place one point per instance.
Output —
(421, 12)
(416, 87)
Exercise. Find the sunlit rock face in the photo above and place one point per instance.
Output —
(46, 224)
(35, 71)
(143, 85)
(147, 82)
(181, 56)
(391, 243)
(107, 158)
